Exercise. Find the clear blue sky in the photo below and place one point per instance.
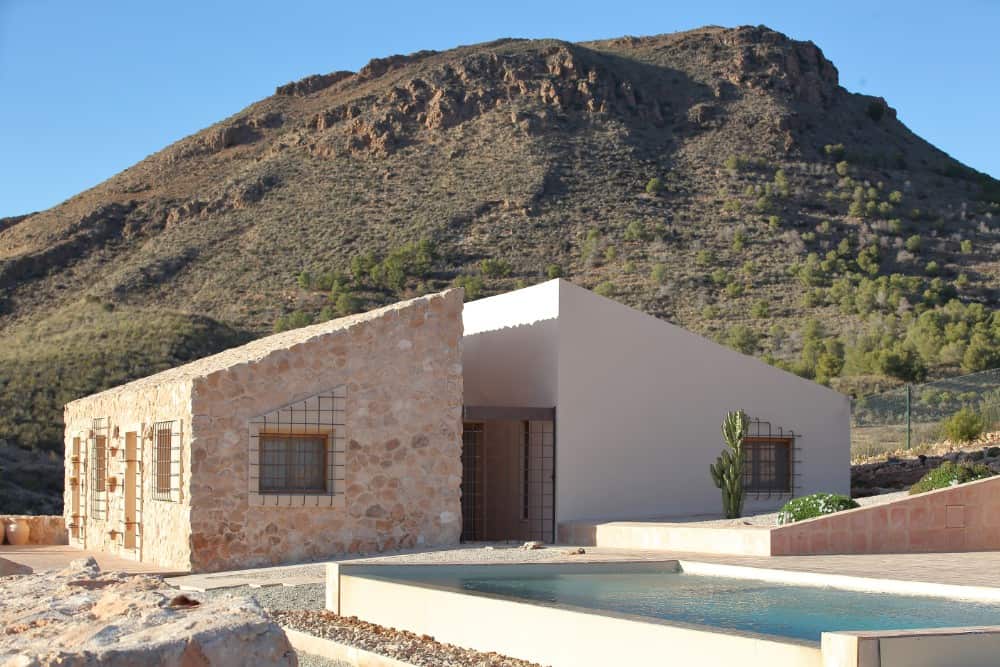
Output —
(89, 88)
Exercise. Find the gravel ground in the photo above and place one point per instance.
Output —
(301, 608)
(418, 650)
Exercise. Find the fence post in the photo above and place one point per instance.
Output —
(908, 389)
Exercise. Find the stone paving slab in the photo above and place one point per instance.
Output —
(45, 557)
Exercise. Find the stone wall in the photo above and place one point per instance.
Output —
(955, 519)
(401, 367)
(42, 528)
(165, 526)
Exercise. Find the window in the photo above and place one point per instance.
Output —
(292, 463)
(166, 461)
(298, 453)
(768, 465)
(98, 467)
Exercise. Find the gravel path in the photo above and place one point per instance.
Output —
(301, 608)
(406, 646)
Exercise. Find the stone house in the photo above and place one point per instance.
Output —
(428, 422)
(338, 437)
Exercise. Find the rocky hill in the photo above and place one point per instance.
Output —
(718, 178)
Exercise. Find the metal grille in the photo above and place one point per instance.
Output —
(301, 448)
(533, 497)
(98, 467)
(472, 487)
(292, 464)
(540, 475)
(166, 461)
(770, 464)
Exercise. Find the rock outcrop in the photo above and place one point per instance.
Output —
(82, 616)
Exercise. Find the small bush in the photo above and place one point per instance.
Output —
(654, 186)
(835, 151)
(659, 274)
(495, 268)
(949, 474)
(817, 504)
(553, 271)
(473, 286)
(963, 426)
(606, 289)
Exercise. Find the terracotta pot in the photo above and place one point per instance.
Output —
(17, 531)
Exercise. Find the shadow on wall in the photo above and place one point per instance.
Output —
(513, 366)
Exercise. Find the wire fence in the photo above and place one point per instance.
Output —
(911, 416)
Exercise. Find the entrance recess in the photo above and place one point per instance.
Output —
(508, 474)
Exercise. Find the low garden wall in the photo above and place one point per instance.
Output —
(42, 528)
(959, 518)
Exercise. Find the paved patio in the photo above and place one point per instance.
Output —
(38, 557)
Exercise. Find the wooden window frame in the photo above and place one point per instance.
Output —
(263, 436)
(752, 473)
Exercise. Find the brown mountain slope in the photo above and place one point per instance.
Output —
(540, 156)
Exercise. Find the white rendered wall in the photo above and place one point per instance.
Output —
(640, 407)
(509, 352)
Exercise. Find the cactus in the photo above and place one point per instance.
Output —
(727, 471)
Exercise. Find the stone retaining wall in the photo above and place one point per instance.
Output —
(42, 528)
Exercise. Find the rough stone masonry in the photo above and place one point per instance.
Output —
(83, 616)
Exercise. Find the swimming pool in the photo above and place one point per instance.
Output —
(668, 594)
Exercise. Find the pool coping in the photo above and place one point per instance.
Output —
(909, 588)
(612, 566)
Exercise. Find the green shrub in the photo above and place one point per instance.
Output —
(553, 271)
(292, 320)
(495, 268)
(949, 474)
(635, 232)
(654, 186)
(606, 288)
(843, 168)
(811, 506)
(964, 426)
(966, 246)
(473, 286)
(913, 243)
(659, 274)
(742, 339)
(835, 151)
(760, 309)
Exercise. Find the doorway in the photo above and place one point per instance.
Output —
(132, 489)
(508, 480)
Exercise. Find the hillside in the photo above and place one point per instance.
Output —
(718, 178)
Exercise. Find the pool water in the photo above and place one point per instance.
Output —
(799, 612)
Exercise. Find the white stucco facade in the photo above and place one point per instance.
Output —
(639, 402)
